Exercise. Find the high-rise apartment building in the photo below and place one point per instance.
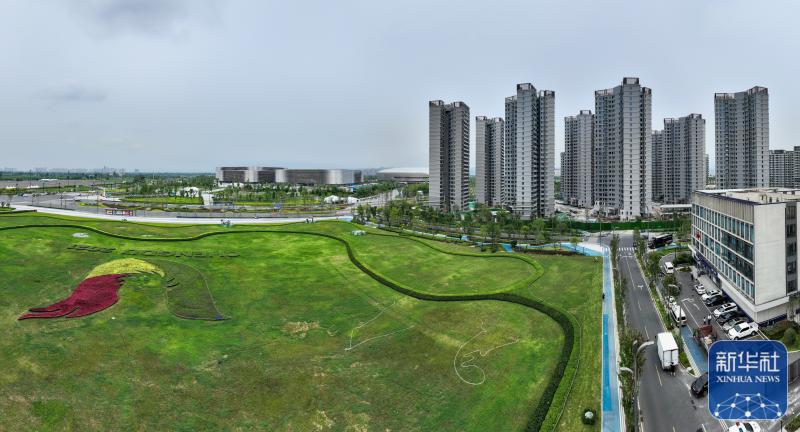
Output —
(784, 168)
(679, 163)
(741, 123)
(489, 139)
(448, 155)
(622, 150)
(510, 153)
(533, 156)
(576, 161)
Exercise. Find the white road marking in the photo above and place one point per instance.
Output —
(645, 333)
(640, 305)
(658, 374)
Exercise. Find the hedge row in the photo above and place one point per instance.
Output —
(554, 395)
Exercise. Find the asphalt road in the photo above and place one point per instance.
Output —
(664, 400)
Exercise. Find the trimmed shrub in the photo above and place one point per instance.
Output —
(789, 336)
(589, 416)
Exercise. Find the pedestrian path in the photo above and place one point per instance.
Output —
(697, 353)
(611, 419)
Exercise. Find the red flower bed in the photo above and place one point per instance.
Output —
(92, 295)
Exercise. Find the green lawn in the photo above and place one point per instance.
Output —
(312, 343)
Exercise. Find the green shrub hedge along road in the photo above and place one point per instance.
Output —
(296, 303)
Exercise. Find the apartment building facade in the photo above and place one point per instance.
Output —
(489, 150)
(622, 183)
(448, 155)
(679, 159)
(534, 152)
(741, 133)
(784, 168)
(576, 160)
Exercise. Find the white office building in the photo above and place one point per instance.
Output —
(576, 160)
(622, 183)
(747, 240)
(489, 138)
(448, 155)
(741, 133)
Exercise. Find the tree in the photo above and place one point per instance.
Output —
(614, 244)
(574, 241)
(525, 230)
(652, 265)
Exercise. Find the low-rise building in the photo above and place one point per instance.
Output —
(246, 174)
(318, 176)
(242, 174)
(404, 175)
(747, 241)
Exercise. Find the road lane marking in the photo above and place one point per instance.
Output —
(645, 333)
(659, 376)
(640, 305)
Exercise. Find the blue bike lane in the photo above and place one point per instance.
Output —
(611, 419)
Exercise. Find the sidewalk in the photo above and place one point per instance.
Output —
(170, 220)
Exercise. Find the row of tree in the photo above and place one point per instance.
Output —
(493, 225)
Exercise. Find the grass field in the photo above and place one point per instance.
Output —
(312, 343)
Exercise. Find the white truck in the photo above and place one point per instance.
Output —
(667, 350)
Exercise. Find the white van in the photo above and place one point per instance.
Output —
(669, 268)
(677, 315)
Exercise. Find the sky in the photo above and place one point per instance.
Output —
(187, 85)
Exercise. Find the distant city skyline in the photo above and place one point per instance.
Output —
(181, 85)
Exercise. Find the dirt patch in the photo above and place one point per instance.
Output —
(322, 421)
(299, 329)
(357, 422)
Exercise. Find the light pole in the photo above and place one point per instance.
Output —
(635, 372)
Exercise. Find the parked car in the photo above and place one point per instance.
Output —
(699, 289)
(725, 307)
(715, 300)
(710, 293)
(731, 323)
(723, 318)
(745, 427)
(700, 386)
(742, 330)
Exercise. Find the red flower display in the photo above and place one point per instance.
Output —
(92, 295)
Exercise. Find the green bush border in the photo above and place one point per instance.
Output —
(555, 394)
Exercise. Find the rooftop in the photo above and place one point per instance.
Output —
(757, 195)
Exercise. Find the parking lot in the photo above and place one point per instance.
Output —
(693, 306)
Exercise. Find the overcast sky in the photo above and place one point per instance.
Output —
(192, 84)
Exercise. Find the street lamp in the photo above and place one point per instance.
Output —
(635, 372)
